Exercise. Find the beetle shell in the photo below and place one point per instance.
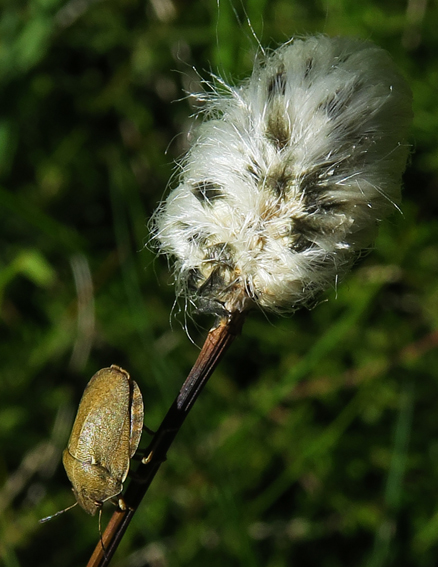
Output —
(105, 436)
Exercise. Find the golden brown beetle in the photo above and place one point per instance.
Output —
(105, 436)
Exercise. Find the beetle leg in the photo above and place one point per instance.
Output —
(139, 455)
(145, 460)
(121, 503)
(135, 477)
(149, 431)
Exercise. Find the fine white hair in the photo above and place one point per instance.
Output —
(288, 176)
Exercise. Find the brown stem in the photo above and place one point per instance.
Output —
(216, 344)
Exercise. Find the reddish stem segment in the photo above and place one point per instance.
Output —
(216, 344)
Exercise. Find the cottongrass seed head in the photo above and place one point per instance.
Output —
(288, 176)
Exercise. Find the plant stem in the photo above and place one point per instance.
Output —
(216, 344)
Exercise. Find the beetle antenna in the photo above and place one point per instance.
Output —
(100, 535)
(43, 520)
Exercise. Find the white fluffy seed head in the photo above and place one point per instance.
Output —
(288, 177)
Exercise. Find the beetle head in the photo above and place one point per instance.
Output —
(92, 483)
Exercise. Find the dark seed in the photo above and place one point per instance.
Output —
(277, 129)
(207, 191)
(221, 253)
(277, 84)
(337, 103)
(309, 67)
(302, 226)
(194, 279)
(254, 170)
(301, 244)
(278, 184)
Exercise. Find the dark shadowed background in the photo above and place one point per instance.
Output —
(315, 443)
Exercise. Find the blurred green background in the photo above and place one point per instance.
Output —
(316, 441)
